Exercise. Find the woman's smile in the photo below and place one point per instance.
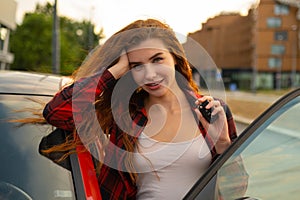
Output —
(154, 85)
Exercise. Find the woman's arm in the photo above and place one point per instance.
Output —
(232, 132)
(222, 131)
(76, 98)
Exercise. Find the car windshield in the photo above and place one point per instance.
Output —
(23, 171)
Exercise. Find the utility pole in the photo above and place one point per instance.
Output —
(294, 55)
(55, 41)
(254, 53)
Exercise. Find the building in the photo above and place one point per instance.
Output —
(7, 24)
(257, 51)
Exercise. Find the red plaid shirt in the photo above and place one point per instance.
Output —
(61, 111)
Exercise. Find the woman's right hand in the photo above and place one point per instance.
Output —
(119, 69)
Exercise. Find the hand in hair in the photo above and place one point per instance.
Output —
(119, 69)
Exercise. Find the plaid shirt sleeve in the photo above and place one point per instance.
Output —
(230, 121)
(60, 110)
(232, 132)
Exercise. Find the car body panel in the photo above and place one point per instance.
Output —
(21, 164)
(30, 83)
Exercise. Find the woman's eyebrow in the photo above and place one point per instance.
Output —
(155, 55)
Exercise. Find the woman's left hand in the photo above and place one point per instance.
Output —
(218, 130)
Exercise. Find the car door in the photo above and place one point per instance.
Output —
(23, 171)
(263, 163)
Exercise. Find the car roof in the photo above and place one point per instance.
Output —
(17, 82)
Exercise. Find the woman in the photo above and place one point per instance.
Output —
(139, 84)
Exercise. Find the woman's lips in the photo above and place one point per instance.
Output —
(153, 85)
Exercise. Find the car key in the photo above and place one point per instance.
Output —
(206, 113)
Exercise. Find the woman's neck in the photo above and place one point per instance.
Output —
(172, 101)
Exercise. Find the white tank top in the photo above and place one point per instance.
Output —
(169, 170)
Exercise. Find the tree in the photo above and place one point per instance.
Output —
(31, 41)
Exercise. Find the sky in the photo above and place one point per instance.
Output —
(184, 16)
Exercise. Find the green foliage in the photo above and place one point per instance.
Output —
(31, 42)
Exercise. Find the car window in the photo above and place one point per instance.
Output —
(23, 170)
(266, 165)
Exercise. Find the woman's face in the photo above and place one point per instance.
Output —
(152, 67)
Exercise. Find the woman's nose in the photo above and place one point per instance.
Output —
(150, 71)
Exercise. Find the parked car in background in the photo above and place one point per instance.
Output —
(24, 172)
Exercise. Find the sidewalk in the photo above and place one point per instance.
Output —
(248, 106)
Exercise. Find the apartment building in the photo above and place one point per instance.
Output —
(257, 51)
(7, 23)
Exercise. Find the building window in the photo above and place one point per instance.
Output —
(274, 63)
(281, 35)
(277, 49)
(281, 9)
(273, 22)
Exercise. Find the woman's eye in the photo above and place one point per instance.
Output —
(137, 67)
(158, 59)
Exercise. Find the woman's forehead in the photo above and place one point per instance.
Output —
(145, 54)
(149, 44)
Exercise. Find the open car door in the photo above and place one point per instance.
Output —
(269, 149)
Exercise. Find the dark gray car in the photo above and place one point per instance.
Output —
(24, 172)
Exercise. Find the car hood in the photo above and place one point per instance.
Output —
(30, 83)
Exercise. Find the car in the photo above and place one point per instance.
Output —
(24, 172)
(268, 151)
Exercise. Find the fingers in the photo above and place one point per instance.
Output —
(212, 103)
(210, 99)
(119, 69)
(216, 107)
